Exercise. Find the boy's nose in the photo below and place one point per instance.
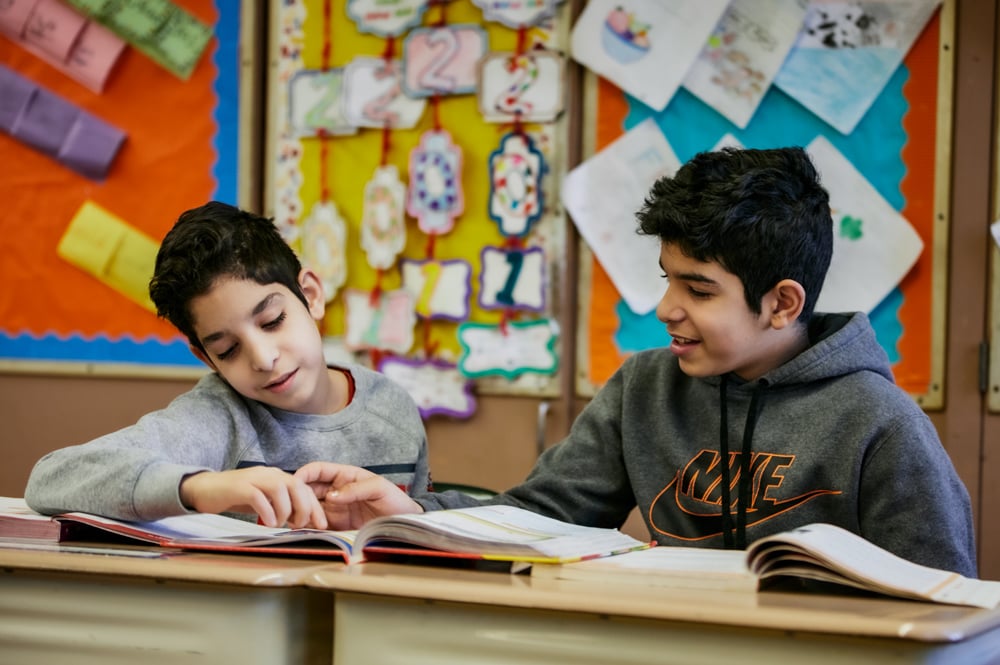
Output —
(264, 356)
(666, 310)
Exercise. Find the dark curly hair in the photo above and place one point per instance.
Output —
(212, 241)
(761, 214)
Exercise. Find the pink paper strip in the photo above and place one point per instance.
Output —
(62, 37)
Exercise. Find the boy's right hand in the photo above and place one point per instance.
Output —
(275, 496)
(352, 496)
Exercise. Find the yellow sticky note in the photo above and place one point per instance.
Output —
(111, 250)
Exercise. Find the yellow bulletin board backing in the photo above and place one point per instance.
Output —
(902, 146)
(301, 170)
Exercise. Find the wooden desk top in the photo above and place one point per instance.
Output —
(793, 611)
(167, 564)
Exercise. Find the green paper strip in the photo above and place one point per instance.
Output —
(160, 29)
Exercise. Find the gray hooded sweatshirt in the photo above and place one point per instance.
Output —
(135, 473)
(826, 437)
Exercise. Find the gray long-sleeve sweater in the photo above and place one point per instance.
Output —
(135, 473)
(834, 440)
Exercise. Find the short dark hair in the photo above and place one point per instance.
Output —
(212, 241)
(761, 214)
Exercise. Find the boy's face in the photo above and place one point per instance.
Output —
(264, 342)
(713, 329)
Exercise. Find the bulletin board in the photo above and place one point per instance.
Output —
(181, 149)
(304, 169)
(902, 146)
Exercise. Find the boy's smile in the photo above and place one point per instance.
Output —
(713, 329)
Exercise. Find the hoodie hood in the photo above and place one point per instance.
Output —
(839, 344)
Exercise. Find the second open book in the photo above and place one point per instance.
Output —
(490, 533)
(820, 552)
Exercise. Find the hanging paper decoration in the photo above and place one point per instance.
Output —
(528, 86)
(512, 278)
(441, 289)
(287, 176)
(324, 248)
(435, 195)
(510, 350)
(442, 60)
(316, 103)
(517, 14)
(373, 95)
(516, 169)
(379, 321)
(386, 18)
(383, 226)
(435, 385)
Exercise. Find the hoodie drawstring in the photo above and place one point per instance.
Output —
(743, 490)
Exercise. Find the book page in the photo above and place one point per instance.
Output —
(852, 556)
(211, 528)
(675, 560)
(663, 566)
(498, 530)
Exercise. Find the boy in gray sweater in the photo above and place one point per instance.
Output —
(760, 416)
(227, 280)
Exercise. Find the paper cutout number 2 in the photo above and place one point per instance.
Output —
(442, 60)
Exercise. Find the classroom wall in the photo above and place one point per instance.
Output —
(497, 446)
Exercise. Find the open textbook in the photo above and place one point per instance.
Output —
(489, 533)
(820, 552)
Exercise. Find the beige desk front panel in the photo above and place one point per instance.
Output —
(67, 620)
(373, 629)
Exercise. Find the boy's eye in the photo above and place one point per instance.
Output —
(695, 293)
(275, 322)
(228, 353)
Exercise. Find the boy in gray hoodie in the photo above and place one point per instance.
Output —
(227, 280)
(761, 416)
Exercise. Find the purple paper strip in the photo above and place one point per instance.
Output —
(46, 122)
(91, 146)
(15, 95)
(49, 123)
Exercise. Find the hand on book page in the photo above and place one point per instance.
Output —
(501, 533)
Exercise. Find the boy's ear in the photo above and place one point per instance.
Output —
(202, 356)
(785, 302)
(312, 288)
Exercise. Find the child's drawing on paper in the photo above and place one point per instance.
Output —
(848, 25)
(846, 53)
(625, 38)
(645, 47)
(743, 54)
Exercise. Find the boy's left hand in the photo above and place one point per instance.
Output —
(275, 496)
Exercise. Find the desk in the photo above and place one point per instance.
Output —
(203, 608)
(72, 608)
(386, 614)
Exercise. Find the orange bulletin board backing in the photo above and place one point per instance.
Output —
(179, 152)
(910, 323)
